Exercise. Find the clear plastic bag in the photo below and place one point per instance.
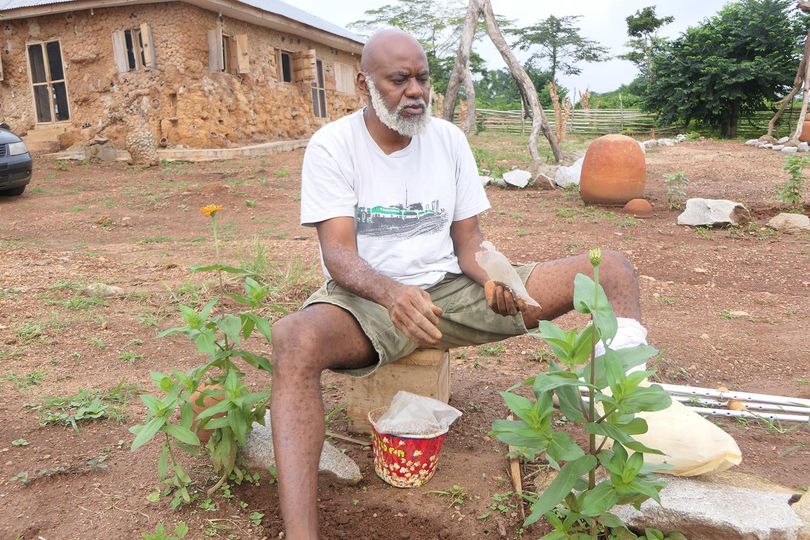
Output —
(412, 414)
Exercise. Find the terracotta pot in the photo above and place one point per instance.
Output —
(613, 172)
(805, 134)
(199, 404)
(640, 208)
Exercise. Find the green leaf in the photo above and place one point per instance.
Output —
(254, 360)
(219, 268)
(206, 310)
(599, 500)
(633, 467)
(163, 461)
(181, 530)
(611, 520)
(152, 403)
(652, 398)
(631, 357)
(549, 381)
(606, 430)
(570, 403)
(519, 405)
(146, 432)
(206, 342)
(519, 433)
(560, 487)
(231, 326)
(182, 434)
(221, 407)
(585, 290)
(563, 448)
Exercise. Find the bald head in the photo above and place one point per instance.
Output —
(390, 46)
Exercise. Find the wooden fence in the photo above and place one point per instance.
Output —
(595, 122)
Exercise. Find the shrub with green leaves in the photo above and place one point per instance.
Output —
(675, 189)
(793, 188)
(598, 396)
(223, 339)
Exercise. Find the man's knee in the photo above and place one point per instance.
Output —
(294, 346)
(615, 264)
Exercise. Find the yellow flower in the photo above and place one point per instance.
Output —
(210, 210)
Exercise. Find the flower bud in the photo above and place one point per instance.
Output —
(595, 255)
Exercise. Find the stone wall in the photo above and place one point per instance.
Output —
(180, 103)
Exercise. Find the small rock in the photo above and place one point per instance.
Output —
(485, 179)
(711, 212)
(499, 182)
(652, 143)
(777, 147)
(804, 147)
(680, 137)
(700, 270)
(738, 314)
(100, 140)
(518, 178)
(790, 150)
(569, 176)
(766, 145)
(666, 142)
(752, 142)
(790, 222)
(126, 221)
(705, 337)
(103, 290)
(783, 140)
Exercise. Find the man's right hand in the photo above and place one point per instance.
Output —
(415, 315)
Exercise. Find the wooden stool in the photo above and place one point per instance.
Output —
(425, 372)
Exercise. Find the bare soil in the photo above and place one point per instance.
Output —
(140, 229)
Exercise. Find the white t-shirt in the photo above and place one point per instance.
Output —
(403, 203)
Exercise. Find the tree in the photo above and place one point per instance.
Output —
(732, 63)
(643, 28)
(558, 41)
(496, 89)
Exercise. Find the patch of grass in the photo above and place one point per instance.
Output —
(85, 405)
(668, 300)
(38, 190)
(702, 232)
(130, 356)
(79, 302)
(66, 285)
(98, 343)
(456, 494)
(147, 320)
(29, 331)
(23, 382)
(250, 203)
(159, 239)
(78, 208)
(491, 350)
(565, 213)
(282, 172)
(62, 165)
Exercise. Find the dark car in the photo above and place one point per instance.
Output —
(15, 163)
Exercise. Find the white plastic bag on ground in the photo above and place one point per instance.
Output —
(412, 414)
(692, 444)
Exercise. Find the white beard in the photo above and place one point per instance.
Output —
(407, 127)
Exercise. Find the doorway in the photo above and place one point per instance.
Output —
(48, 82)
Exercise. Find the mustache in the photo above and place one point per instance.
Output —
(419, 102)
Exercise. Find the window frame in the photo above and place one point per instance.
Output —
(319, 91)
(281, 54)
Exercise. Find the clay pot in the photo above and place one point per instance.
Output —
(199, 405)
(613, 172)
(805, 134)
(640, 208)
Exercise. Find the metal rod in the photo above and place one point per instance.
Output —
(739, 396)
(749, 414)
(751, 405)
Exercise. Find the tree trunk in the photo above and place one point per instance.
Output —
(527, 89)
(803, 114)
(461, 67)
(797, 84)
(469, 89)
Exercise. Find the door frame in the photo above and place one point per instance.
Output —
(42, 44)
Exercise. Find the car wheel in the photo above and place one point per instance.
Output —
(12, 192)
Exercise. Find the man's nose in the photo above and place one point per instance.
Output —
(413, 88)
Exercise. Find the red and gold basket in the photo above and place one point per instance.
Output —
(404, 461)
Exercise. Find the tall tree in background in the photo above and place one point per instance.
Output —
(642, 27)
(557, 40)
(733, 63)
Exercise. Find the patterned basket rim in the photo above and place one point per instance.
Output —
(374, 414)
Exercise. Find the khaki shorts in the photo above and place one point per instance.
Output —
(467, 320)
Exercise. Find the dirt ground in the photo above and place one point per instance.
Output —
(140, 229)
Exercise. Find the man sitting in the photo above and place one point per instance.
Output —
(395, 197)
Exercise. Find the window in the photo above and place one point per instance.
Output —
(344, 78)
(48, 82)
(133, 49)
(319, 92)
(285, 66)
(227, 53)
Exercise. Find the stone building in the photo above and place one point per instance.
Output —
(178, 73)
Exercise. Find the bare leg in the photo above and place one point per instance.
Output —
(319, 337)
(552, 284)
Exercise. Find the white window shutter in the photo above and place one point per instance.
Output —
(120, 51)
(242, 56)
(148, 46)
(215, 50)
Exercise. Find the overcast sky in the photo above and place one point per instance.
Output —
(602, 20)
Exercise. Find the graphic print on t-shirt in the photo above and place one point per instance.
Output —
(400, 221)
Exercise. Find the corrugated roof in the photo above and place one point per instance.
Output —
(271, 6)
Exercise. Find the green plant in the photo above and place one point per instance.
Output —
(98, 343)
(256, 518)
(85, 405)
(180, 531)
(675, 183)
(456, 494)
(574, 503)
(19, 442)
(28, 331)
(222, 338)
(793, 188)
(491, 350)
(130, 356)
(23, 382)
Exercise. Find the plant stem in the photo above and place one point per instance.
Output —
(592, 450)
(216, 245)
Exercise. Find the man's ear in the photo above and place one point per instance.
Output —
(360, 82)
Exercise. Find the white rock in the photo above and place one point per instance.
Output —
(752, 142)
(766, 145)
(783, 140)
(101, 289)
(517, 177)
(485, 179)
(790, 222)
(680, 137)
(666, 142)
(790, 150)
(643, 148)
(804, 147)
(708, 212)
(777, 147)
(260, 454)
(500, 182)
(703, 510)
(651, 143)
(569, 176)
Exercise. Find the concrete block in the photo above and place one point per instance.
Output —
(425, 372)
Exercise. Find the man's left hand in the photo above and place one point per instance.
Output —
(502, 300)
